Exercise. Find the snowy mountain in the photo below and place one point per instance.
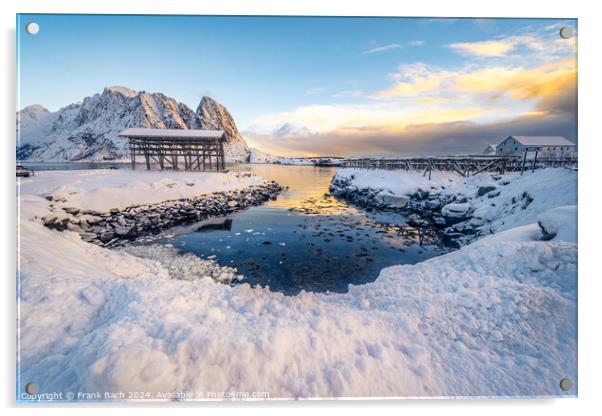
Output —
(257, 156)
(212, 115)
(88, 131)
(290, 129)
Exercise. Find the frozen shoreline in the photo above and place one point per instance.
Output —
(497, 317)
(461, 209)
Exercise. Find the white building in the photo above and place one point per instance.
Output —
(546, 147)
(490, 149)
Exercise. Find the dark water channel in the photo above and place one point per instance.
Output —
(306, 239)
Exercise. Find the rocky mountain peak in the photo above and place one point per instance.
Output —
(214, 116)
(33, 112)
(116, 89)
(90, 130)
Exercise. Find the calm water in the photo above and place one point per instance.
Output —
(46, 166)
(306, 239)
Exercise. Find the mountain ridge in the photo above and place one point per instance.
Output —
(88, 130)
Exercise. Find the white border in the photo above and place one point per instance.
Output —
(590, 71)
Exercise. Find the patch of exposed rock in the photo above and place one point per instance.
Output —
(118, 226)
(449, 215)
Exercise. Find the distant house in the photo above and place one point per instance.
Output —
(546, 147)
(490, 149)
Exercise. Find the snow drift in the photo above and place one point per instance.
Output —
(496, 318)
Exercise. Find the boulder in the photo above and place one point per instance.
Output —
(126, 232)
(439, 220)
(559, 224)
(455, 210)
(106, 235)
(59, 224)
(483, 190)
(88, 237)
(393, 201)
(452, 239)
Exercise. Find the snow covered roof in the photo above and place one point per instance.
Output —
(173, 133)
(543, 141)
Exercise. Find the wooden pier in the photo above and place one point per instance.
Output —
(201, 150)
(463, 165)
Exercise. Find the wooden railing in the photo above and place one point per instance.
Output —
(463, 165)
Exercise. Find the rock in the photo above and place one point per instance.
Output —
(433, 204)
(91, 219)
(455, 210)
(417, 223)
(72, 211)
(106, 236)
(493, 194)
(393, 201)
(126, 232)
(452, 239)
(559, 223)
(476, 222)
(112, 228)
(88, 237)
(84, 225)
(57, 224)
(73, 226)
(485, 190)
(439, 220)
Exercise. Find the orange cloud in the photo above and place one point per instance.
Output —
(432, 100)
(519, 83)
(485, 48)
(415, 79)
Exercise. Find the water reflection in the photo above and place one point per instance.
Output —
(306, 239)
(307, 186)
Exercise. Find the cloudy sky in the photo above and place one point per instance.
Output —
(338, 86)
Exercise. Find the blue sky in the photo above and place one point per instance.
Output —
(346, 80)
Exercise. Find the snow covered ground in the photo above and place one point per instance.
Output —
(497, 317)
(514, 200)
(103, 189)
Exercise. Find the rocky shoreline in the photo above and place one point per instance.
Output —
(450, 216)
(113, 228)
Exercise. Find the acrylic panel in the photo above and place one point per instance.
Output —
(273, 207)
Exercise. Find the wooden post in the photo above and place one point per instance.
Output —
(133, 154)
(222, 154)
(522, 168)
(185, 155)
(534, 160)
(147, 157)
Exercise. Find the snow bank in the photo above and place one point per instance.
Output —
(494, 318)
(513, 200)
(396, 182)
(257, 156)
(559, 223)
(102, 190)
(455, 210)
